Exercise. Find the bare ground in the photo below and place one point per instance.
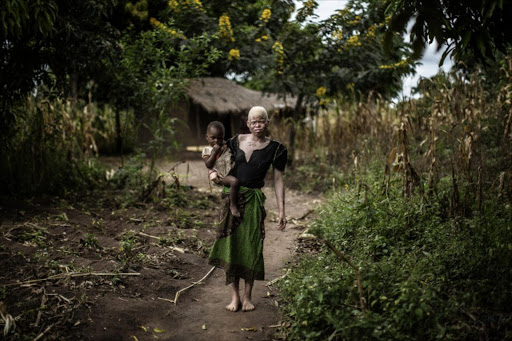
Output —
(164, 247)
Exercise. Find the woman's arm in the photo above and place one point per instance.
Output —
(279, 189)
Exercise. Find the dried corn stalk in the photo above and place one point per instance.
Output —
(8, 320)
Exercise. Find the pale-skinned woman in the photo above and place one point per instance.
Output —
(239, 245)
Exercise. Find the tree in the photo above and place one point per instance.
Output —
(53, 41)
(476, 28)
(342, 56)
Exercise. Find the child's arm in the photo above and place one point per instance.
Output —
(209, 160)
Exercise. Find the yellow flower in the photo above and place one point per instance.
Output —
(371, 31)
(234, 54)
(173, 4)
(353, 41)
(338, 35)
(162, 27)
(260, 39)
(265, 15)
(321, 91)
(401, 64)
(307, 9)
(278, 47)
(225, 29)
(279, 52)
(176, 5)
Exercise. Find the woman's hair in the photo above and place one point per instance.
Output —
(258, 112)
(216, 124)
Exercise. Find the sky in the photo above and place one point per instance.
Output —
(429, 62)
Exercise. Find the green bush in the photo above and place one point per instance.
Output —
(424, 275)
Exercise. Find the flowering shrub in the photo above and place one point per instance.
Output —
(225, 29)
(161, 26)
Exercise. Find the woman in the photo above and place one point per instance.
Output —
(239, 245)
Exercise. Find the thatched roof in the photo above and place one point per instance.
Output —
(223, 96)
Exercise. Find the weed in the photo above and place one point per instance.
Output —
(31, 236)
(128, 249)
(419, 280)
(90, 241)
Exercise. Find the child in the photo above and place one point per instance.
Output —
(217, 158)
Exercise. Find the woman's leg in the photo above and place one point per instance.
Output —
(235, 296)
(234, 188)
(247, 304)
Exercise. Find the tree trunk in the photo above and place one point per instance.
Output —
(293, 130)
(119, 135)
(73, 85)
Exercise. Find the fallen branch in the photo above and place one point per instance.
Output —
(173, 248)
(165, 299)
(358, 272)
(75, 274)
(148, 235)
(193, 284)
(44, 332)
(149, 189)
(275, 280)
(305, 214)
(40, 312)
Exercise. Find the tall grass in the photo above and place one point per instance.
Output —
(50, 145)
(458, 129)
(420, 205)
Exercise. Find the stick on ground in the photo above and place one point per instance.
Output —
(193, 284)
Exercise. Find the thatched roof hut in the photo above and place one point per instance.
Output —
(223, 96)
(221, 99)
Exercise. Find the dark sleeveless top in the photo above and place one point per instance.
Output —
(252, 174)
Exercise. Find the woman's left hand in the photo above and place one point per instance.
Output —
(281, 224)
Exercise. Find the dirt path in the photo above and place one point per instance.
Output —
(204, 305)
(93, 233)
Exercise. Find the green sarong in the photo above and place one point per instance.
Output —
(238, 248)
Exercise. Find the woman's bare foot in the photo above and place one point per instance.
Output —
(247, 305)
(234, 305)
(235, 297)
(234, 210)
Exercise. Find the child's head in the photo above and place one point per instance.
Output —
(215, 133)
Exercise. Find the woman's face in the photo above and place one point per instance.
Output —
(257, 125)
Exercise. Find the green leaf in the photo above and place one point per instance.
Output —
(467, 37)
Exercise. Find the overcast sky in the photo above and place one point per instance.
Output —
(430, 60)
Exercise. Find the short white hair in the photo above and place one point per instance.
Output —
(257, 112)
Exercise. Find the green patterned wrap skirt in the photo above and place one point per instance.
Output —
(238, 248)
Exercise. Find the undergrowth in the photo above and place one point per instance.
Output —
(424, 274)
